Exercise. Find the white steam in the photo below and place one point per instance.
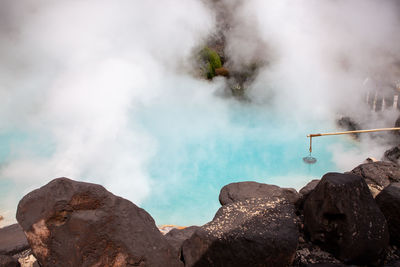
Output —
(75, 73)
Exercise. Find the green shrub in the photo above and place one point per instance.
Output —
(212, 61)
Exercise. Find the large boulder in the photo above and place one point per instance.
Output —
(305, 192)
(251, 232)
(12, 240)
(389, 202)
(342, 217)
(69, 223)
(176, 237)
(245, 190)
(378, 174)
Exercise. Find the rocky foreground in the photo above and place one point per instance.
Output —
(342, 219)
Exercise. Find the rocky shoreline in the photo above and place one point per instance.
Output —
(343, 219)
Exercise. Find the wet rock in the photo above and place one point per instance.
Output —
(176, 237)
(378, 174)
(71, 223)
(244, 190)
(389, 202)
(8, 261)
(12, 240)
(392, 154)
(250, 232)
(341, 216)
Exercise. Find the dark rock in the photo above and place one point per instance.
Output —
(327, 265)
(305, 191)
(308, 188)
(245, 190)
(392, 256)
(251, 232)
(393, 264)
(392, 154)
(12, 240)
(8, 261)
(349, 125)
(313, 254)
(341, 216)
(71, 223)
(389, 202)
(378, 174)
(177, 236)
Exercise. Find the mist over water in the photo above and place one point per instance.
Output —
(104, 92)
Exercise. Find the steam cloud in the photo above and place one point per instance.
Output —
(73, 75)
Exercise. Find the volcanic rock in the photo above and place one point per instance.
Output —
(250, 232)
(392, 154)
(8, 261)
(342, 217)
(12, 240)
(71, 223)
(176, 237)
(305, 191)
(389, 202)
(244, 190)
(378, 174)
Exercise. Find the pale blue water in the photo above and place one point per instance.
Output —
(199, 151)
(254, 144)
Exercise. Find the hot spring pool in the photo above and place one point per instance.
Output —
(198, 151)
(197, 156)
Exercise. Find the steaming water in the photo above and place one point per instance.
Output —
(197, 151)
(252, 144)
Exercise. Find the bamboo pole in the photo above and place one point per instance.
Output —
(357, 131)
(350, 132)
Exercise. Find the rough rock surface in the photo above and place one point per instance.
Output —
(305, 192)
(378, 174)
(341, 216)
(176, 237)
(71, 223)
(308, 188)
(389, 202)
(392, 154)
(12, 240)
(244, 190)
(251, 232)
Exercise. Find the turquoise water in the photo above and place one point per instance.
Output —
(199, 150)
(195, 161)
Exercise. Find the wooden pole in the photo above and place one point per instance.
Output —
(357, 131)
(350, 132)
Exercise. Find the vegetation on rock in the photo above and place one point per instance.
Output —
(211, 60)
